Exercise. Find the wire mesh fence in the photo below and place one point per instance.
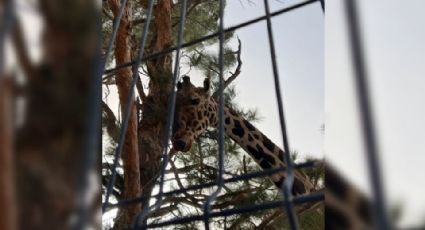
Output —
(287, 203)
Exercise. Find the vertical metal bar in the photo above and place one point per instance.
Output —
(287, 184)
(92, 136)
(124, 125)
(170, 121)
(5, 27)
(103, 64)
(220, 180)
(113, 35)
(7, 195)
(366, 114)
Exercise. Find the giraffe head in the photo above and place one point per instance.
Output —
(195, 111)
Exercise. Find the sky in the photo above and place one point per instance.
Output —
(299, 42)
(395, 55)
(316, 82)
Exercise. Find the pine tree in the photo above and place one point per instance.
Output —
(199, 165)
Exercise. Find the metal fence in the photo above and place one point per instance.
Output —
(288, 203)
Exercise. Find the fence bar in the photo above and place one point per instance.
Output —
(114, 34)
(289, 180)
(8, 220)
(220, 179)
(140, 221)
(366, 114)
(247, 176)
(169, 124)
(92, 138)
(313, 197)
(128, 106)
(5, 28)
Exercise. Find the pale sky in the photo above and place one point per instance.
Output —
(394, 35)
(396, 57)
(299, 42)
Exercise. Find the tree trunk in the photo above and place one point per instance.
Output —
(154, 106)
(49, 144)
(123, 80)
(151, 132)
(7, 177)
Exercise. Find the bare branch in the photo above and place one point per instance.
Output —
(119, 181)
(140, 90)
(181, 200)
(269, 219)
(237, 198)
(180, 184)
(110, 121)
(22, 51)
(163, 211)
(184, 169)
(237, 71)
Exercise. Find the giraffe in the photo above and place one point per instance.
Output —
(196, 110)
(346, 207)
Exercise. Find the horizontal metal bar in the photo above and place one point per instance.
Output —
(318, 196)
(248, 176)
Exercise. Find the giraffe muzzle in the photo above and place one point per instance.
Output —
(180, 145)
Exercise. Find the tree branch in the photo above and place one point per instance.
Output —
(138, 21)
(22, 51)
(183, 169)
(140, 90)
(163, 211)
(107, 14)
(110, 121)
(270, 219)
(237, 198)
(180, 184)
(179, 200)
(236, 73)
(190, 9)
(118, 186)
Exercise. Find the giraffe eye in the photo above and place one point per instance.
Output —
(195, 101)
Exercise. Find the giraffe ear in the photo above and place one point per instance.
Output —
(207, 84)
(186, 79)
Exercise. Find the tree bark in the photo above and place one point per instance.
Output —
(7, 175)
(130, 156)
(154, 107)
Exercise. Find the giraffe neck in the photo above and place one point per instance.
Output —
(260, 148)
(347, 208)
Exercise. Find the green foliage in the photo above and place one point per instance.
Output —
(199, 165)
